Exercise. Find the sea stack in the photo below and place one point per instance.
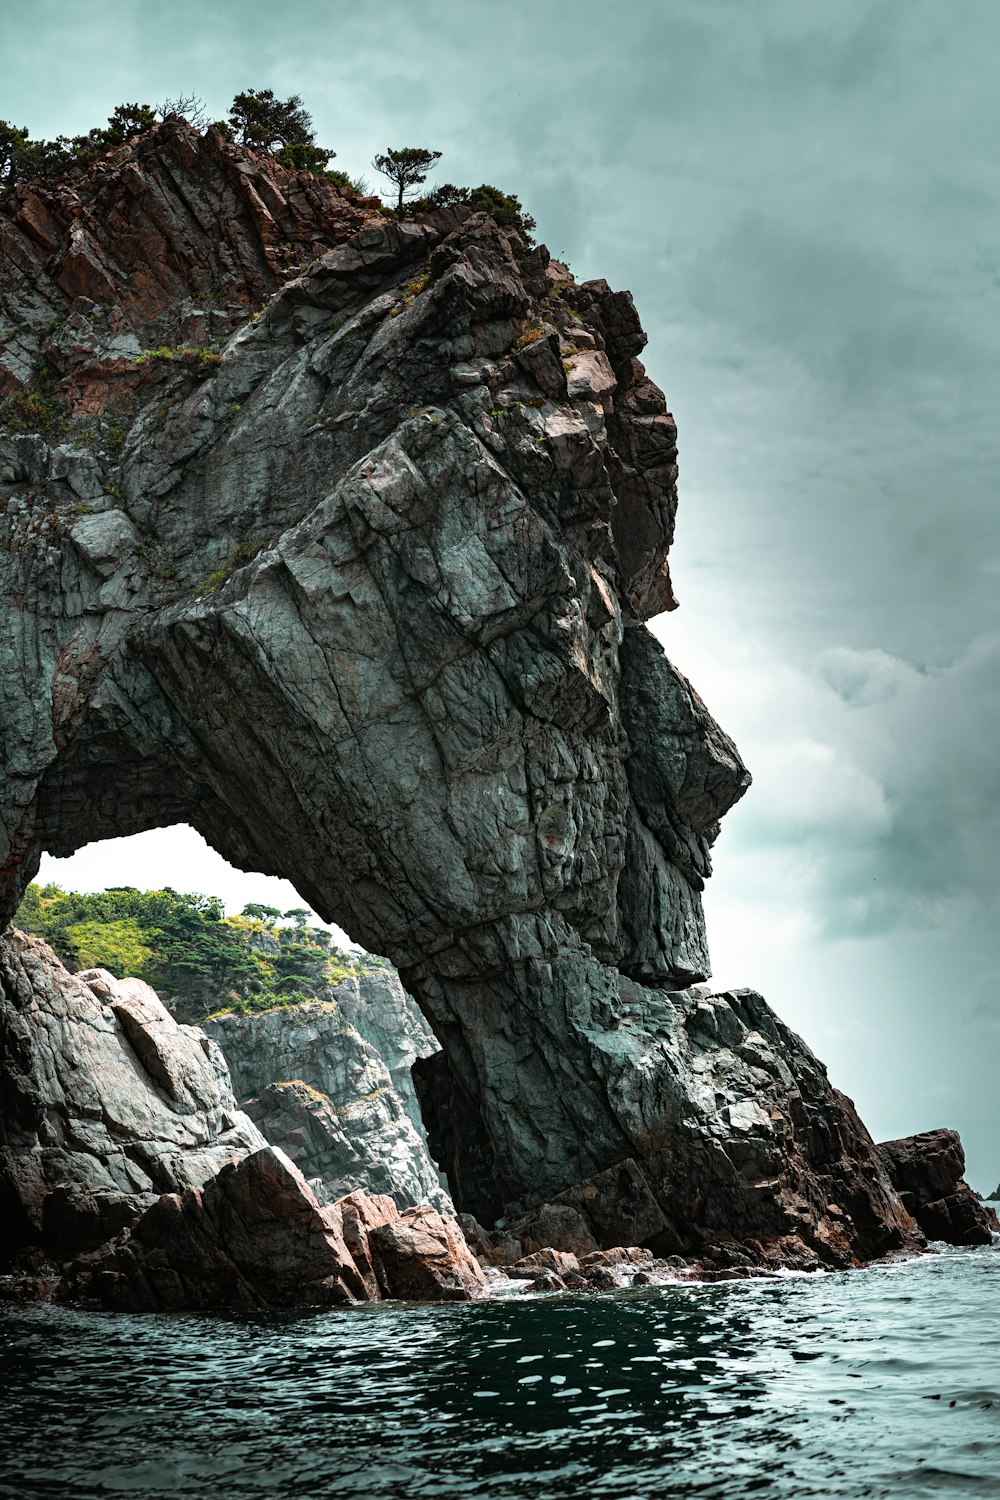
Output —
(334, 534)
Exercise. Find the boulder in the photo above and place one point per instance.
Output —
(255, 1236)
(423, 1257)
(491, 1247)
(558, 1261)
(107, 1103)
(929, 1171)
(554, 1225)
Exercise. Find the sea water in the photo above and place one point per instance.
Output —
(867, 1383)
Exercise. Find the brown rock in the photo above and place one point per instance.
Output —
(254, 1236)
(619, 1255)
(547, 1281)
(160, 250)
(491, 1247)
(928, 1170)
(619, 1204)
(557, 1261)
(555, 1225)
(360, 1213)
(423, 1257)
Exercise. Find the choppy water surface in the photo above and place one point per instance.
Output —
(882, 1382)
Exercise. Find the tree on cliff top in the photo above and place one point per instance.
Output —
(281, 128)
(22, 159)
(14, 144)
(126, 121)
(405, 167)
(184, 943)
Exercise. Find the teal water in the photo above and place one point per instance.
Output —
(872, 1383)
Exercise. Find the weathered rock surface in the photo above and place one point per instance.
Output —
(322, 1093)
(106, 1103)
(256, 1236)
(376, 1005)
(928, 1171)
(377, 628)
(753, 1156)
(164, 242)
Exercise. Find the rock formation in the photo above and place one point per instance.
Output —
(120, 1138)
(106, 1103)
(255, 1236)
(359, 593)
(928, 1171)
(763, 1162)
(374, 1002)
(320, 1091)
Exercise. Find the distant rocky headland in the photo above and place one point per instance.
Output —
(332, 532)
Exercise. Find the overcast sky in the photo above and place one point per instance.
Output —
(801, 194)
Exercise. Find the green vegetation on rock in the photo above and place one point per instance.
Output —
(406, 167)
(505, 208)
(184, 944)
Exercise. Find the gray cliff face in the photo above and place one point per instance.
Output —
(376, 1005)
(362, 601)
(107, 1102)
(323, 1094)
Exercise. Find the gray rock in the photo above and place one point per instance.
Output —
(376, 1005)
(105, 540)
(323, 1094)
(385, 639)
(107, 1103)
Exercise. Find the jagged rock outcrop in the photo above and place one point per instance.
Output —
(320, 1091)
(105, 1103)
(376, 1005)
(928, 1171)
(168, 241)
(255, 1236)
(753, 1155)
(360, 596)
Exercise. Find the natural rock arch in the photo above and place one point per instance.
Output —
(362, 601)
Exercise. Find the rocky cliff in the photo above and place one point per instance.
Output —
(129, 1177)
(928, 1171)
(106, 1103)
(357, 588)
(319, 1090)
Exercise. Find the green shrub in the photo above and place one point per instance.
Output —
(505, 208)
(174, 940)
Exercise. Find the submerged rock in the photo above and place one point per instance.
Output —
(929, 1171)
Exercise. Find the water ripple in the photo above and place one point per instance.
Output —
(876, 1383)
